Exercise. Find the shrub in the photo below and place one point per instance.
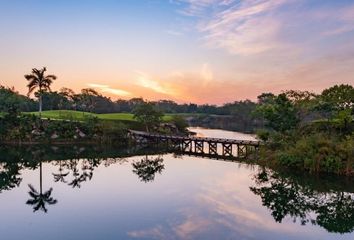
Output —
(319, 153)
(180, 123)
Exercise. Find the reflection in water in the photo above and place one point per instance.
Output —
(60, 175)
(222, 208)
(80, 175)
(39, 199)
(147, 168)
(9, 176)
(284, 196)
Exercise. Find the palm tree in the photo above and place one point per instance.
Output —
(40, 199)
(37, 79)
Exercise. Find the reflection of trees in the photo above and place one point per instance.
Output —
(81, 170)
(40, 199)
(147, 168)
(78, 167)
(337, 215)
(76, 171)
(60, 175)
(9, 176)
(284, 196)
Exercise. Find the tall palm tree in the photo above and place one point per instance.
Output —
(39, 199)
(37, 79)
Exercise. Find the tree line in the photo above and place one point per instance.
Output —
(89, 100)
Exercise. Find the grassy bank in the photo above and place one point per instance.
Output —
(62, 128)
(79, 116)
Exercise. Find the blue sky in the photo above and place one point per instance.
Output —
(211, 51)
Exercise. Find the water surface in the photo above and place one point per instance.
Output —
(219, 133)
(80, 192)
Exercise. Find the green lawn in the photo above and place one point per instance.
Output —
(76, 115)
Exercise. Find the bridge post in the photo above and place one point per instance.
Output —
(241, 151)
(187, 145)
(213, 148)
(198, 146)
(227, 149)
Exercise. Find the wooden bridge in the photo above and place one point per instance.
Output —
(203, 146)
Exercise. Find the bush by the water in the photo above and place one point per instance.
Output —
(322, 151)
(309, 132)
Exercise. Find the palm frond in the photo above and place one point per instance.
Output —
(30, 77)
(32, 202)
(32, 189)
(52, 77)
(30, 90)
(36, 72)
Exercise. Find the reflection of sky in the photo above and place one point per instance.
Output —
(219, 133)
(193, 198)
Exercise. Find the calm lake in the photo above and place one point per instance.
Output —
(81, 192)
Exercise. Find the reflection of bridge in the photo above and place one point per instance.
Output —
(199, 145)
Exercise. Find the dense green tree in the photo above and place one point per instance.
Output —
(90, 100)
(180, 123)
(266, 98)
(337, 102)
(339, 96)
(10, 99)
(280, 114)
(54, 101)
(38, 80)
(148, 115)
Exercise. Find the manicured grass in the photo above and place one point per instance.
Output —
(116, 116)
(77, 115)
(64, 114)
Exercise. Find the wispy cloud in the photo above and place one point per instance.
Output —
(108, 89)
(242, 27)
(145, 81)
(252, 27)
(195, 7)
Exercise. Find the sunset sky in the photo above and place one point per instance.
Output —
(203, 51)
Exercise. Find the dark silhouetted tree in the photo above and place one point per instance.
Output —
(38, 80)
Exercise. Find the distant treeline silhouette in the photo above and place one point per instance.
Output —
(90, 100)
